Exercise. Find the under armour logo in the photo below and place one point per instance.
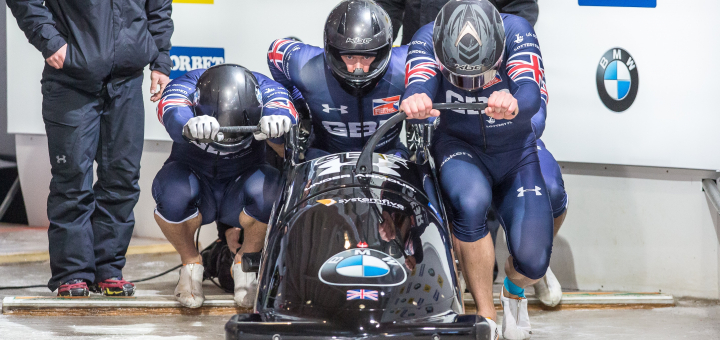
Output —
(522, 191)
(327, 108)
(519, 39)
(62, 159)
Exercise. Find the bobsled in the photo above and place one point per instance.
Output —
(359, 247)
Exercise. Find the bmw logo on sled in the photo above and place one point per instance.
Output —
(358, 247)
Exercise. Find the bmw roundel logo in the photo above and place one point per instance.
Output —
(617, 79)
(362, 267)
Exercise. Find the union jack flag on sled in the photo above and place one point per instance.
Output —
(362, 294)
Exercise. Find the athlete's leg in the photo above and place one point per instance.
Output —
(555, 185)
(247, 205)
(548, 289)
(467, 191)
(177, 192)
(524, 208)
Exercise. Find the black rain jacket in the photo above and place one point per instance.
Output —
(106, 38)
(413, 14)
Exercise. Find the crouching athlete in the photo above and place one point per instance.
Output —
(225, 181)
(486, 158)
(351, 86)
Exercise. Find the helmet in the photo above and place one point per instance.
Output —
(469, 42)
(231, 94)
(358, 27)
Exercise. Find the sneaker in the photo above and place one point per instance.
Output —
(114, 286)
(189, 291)
(548, 290)
(74, 287)
(494, 334)
(245, 286)
(516, 322)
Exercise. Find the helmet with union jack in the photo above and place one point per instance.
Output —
(469, 42)
(231, 94)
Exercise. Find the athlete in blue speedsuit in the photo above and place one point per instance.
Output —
(486, 157)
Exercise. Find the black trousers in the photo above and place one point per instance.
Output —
(91, 224)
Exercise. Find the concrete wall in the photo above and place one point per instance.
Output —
(628, 228)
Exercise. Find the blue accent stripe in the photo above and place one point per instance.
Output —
(619, 3)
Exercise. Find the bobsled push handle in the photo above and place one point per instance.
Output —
(364, 163)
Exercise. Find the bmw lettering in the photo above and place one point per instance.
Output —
(617, 79)
(185, 59)
(362, 267)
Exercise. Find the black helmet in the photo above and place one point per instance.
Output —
(358, 27)
(469, 42)
(231, 94)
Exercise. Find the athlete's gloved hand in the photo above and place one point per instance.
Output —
(201, 128)
(502, 105)
(418, 106)
(273, 126)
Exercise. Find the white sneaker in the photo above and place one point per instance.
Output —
(548, 290)
(516, 322)
(245, 286)
(494, 334)
(189, 291)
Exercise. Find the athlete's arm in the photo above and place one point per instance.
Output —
(524, 66)
(422, 77)
(175, 107)
(538, 120)
(276, 102)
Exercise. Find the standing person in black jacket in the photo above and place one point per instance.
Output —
(95, 53)
(413, 14)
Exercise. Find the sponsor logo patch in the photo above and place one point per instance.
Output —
(185, 59)
(386, 106)
(362, 267)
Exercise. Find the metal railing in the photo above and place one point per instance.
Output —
(711, 190)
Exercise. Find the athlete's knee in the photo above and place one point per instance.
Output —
(176, 191)
(469, 234)
(533, 261)
(558, 196)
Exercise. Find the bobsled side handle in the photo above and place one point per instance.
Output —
(364, 163)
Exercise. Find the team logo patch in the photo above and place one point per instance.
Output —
(617, 79)
(362, 294)
(362, 267)
(386, 106)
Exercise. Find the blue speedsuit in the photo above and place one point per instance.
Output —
(483, 161)
(197, 179)
(341, 122)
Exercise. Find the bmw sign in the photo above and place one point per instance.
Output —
(617, 79)
(362, 267)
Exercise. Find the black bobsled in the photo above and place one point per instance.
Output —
(358, 247)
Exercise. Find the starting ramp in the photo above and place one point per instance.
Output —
(224, 304)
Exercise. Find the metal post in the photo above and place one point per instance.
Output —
(711, 190)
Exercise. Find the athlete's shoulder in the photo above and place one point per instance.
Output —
(425, 31)
(400, 52)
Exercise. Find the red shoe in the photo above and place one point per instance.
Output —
(74, 287)
(114, 286)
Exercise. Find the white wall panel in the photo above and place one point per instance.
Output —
(673, 122)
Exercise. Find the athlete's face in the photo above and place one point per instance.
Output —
(354, 62)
